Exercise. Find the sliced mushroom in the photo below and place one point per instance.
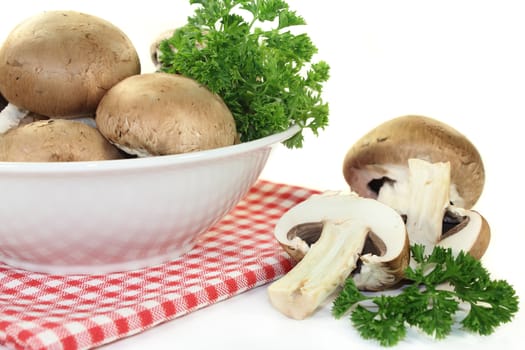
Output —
(427, 171)
(430, 217)
(161, 113)
(470, 233)
(382, 154)
(347, 224)
(60, 64)
(55, 140)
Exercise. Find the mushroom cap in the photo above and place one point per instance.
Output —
(402, 138)
(161, 113)
(61, 63)
(55, 140)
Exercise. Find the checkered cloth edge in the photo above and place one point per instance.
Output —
(40, 311)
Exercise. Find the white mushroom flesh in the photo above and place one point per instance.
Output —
(396, 176)
(330, 260)
(10, 117)
(424, 199)
(468, 233)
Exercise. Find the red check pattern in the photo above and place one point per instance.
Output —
(40, 311)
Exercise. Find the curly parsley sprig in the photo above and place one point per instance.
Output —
(439, 286)
(263, 75)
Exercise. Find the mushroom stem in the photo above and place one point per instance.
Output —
(328, 263)
(423, 199)
(10, 117)
(429, 185)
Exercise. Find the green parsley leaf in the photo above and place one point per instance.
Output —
(386, 324)
(429, 309)
(348, 297)
(437, 287)
(245, 52)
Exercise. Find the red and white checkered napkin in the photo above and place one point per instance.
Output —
(39, 311)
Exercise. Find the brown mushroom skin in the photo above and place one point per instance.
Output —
(424, 138)
(61, 63)
(55, 140)
(161, 114)
(482, 244)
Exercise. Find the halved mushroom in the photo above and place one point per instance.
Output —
(55, 140)
(431, 219)
(161, 113)
(469, 231)
(333, 235)
(382, 154)
(60, 64)
(428, 172)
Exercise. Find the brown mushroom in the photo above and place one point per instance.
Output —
(430, 173)
(61, 63)
(55, 140)
(161, 113)
(382, 154)
(332, 234)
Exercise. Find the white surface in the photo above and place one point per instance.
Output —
(460, 62)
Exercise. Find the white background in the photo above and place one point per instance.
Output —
(458, 61)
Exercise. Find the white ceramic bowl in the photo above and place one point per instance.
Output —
(106, 216)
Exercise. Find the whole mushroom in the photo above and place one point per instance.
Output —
(55, 140)
(60, 64)
(430, 173)
(334, 235)
(160, 114)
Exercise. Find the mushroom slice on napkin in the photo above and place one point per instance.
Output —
(351, 230)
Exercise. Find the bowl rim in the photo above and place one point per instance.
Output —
(148, 162)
